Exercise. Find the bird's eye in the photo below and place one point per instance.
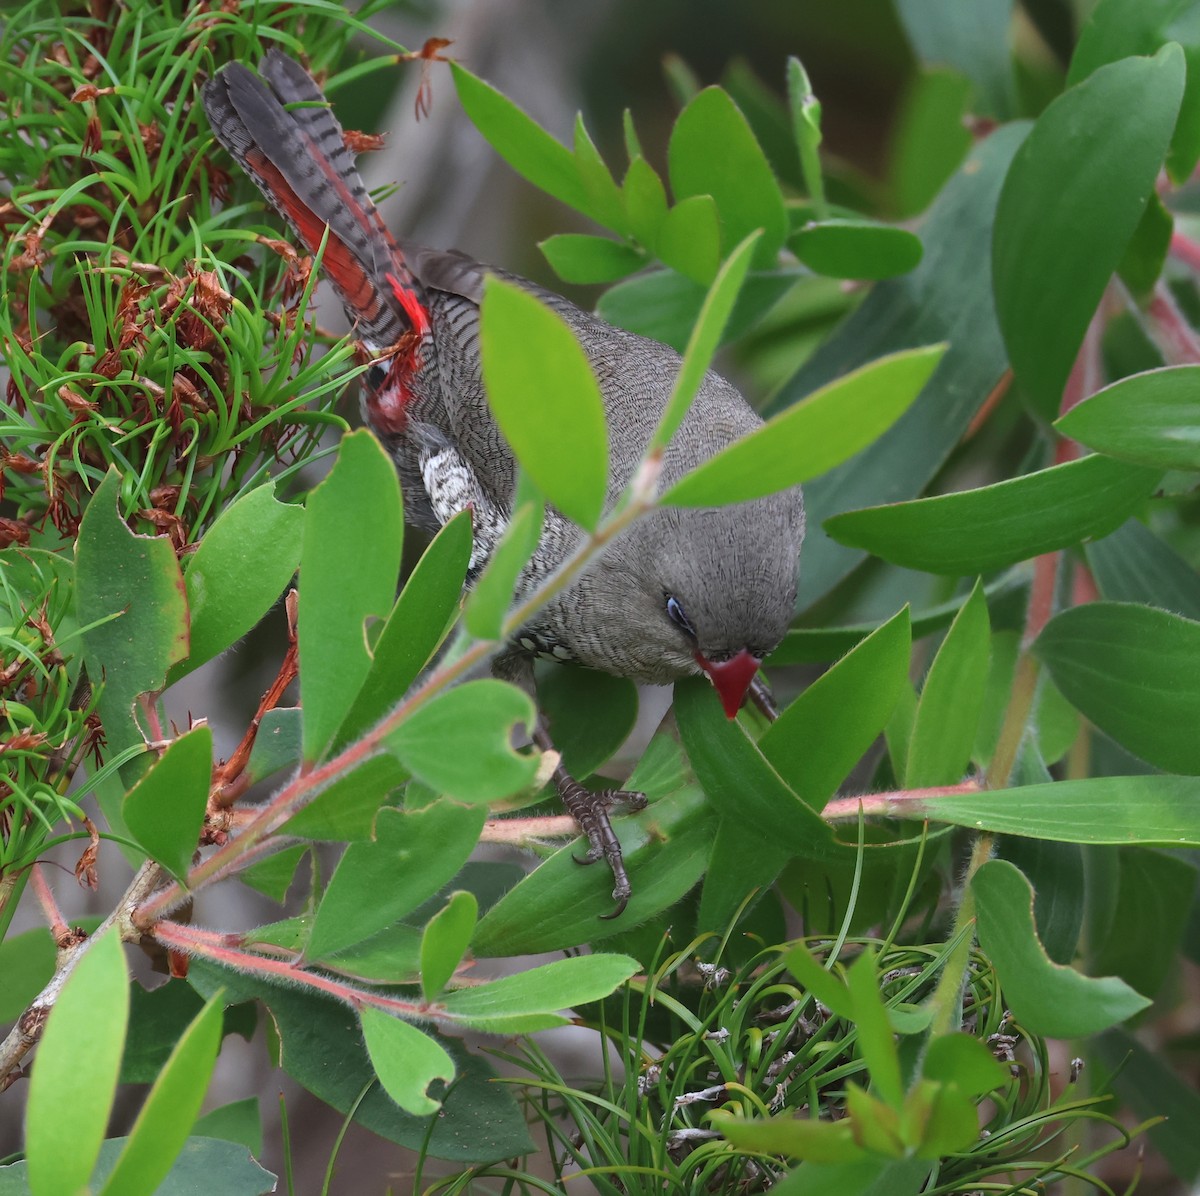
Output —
(675, 612)
(376, 377)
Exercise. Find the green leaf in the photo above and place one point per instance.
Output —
(590, 715)
(353, 532)
(27, 964)
(161, 1016)
(806, 1138)
(1147, 250)
(713, 151)
(204, 1165)
(559, 904)
(948, 297)
(1074, 196)
(1151, 418)
(1133, 565)
(273, 875)
(875, 1040)
(1131, 670)
(863, 249)
(171, 1108)
(238, 1121)
(975, 40)
(646, 206)
(738, 779)
(165, 809)
(813, 745)
(322, 1049)
(703, 342)
(136, 579)
(345, 811)
(862, 1177)
(807, 645)
(689, 239)
(1056, 871)
(1153, 810)
(976, 531)
(819, 981)
(1046, 998)
(805, 111)
(80, 1052)
(405, 1059)
(414, 628)
(930, 139)
(1154, 889)
(740, 863)
(414, 854)
(445, 941)
(813, 436)
(605, 204)
(520, 141)
(492, 595)
(965, 1062)
(459, 741)
(1116, 28)
(951, 700)
(501, 1006)
(277, 744)
(241, 567)
(546, 399)
(581, 258)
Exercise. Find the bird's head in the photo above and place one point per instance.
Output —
(709, 590)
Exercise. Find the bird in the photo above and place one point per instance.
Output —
(680, 592)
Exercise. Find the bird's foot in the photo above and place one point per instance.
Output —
(590, 808)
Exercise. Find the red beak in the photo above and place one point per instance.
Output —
(731, 678)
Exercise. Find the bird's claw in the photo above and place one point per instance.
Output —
(590, 809)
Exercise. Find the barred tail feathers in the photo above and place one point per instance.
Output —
(299, 160)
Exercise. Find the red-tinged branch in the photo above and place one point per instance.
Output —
(304, 787)
(897, 803)
(994, 399)
(1177, 339)
(59, 929)
(223, 949)
(1185, 250)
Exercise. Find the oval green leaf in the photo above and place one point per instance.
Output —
(738, 779)
(546, 399)
(80, 1052)
(353, 533)
(415, 627)
(405, 1059)
(583, 259)
(1131, 669)
(861, 249)
(165, 809)
(445, 941)
(1046, 998)
(812, 745)
(713, 151)
(689, 239)
(951, 700)
(501, 1004)
(1074, 196)
(1151, 418)
(459, 742)
(1154, 810)
(519, 140)
(414, 853)
(1116, 28)
(812, 437)
(976, 531)
(241, 567)
(171, 1108)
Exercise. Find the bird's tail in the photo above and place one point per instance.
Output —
(298, 157)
